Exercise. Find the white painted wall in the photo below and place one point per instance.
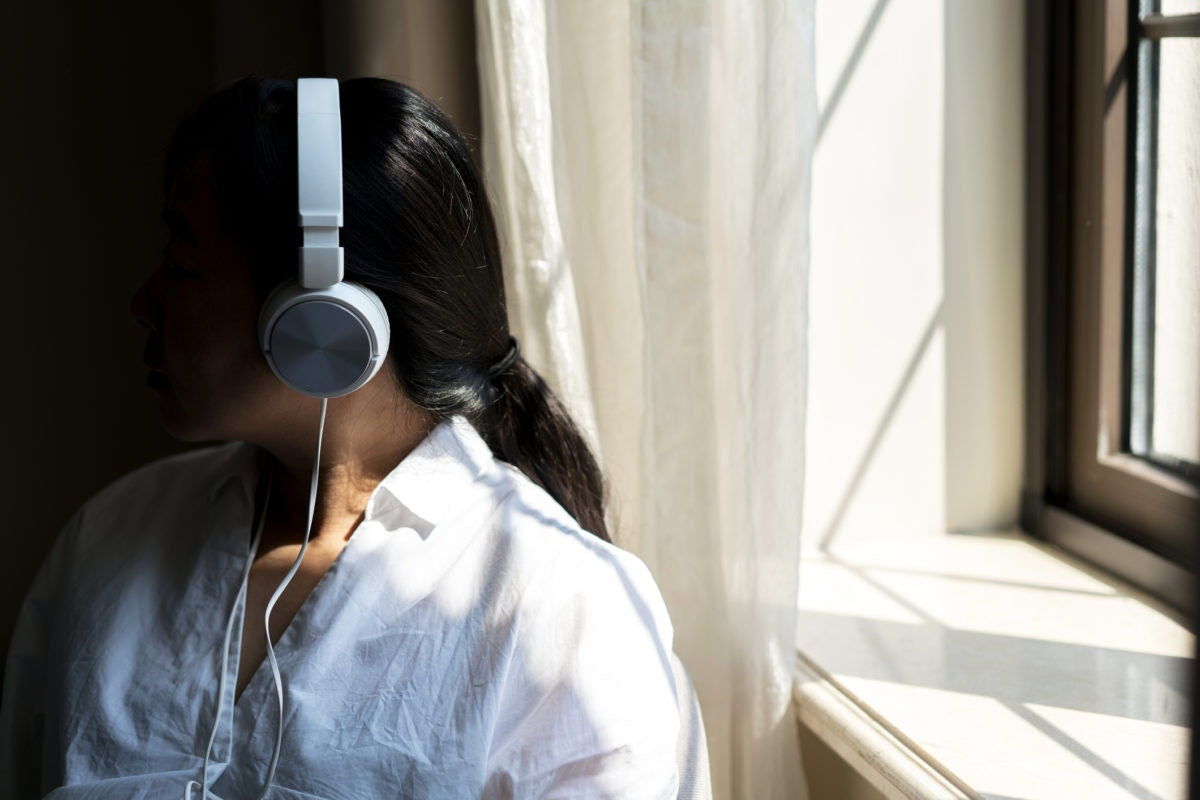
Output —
(915, 288)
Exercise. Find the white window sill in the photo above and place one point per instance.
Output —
(991, 666)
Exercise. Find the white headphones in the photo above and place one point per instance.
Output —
(322, 337)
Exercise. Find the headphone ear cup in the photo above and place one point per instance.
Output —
(324, 342)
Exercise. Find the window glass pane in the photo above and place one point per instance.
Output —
(1178, 6)
(1175, 429)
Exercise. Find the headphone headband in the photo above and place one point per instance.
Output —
(319, 152)
(322, 336)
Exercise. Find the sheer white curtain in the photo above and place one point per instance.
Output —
(650, 162)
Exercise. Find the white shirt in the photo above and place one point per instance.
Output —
(469, 641)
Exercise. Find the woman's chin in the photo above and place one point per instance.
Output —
(177, 421)
(181, 429)
(194, 413)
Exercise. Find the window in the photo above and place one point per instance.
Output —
(1114, 286)
(1163, 380)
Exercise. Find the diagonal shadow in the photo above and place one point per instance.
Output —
(1116, 81)
(1011, 669)
(1089, 757)
(975, 579)
(892, 652)
(881, 427)
(851, 66)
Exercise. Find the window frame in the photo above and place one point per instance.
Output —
(1083, 490)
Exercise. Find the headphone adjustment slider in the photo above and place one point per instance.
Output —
(321, 267)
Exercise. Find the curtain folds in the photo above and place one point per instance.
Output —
(650, 163)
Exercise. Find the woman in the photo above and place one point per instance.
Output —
(457, 625)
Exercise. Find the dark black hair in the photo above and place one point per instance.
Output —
(420, 234)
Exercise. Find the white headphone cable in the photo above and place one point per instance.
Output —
(291, 573)
(223, 681)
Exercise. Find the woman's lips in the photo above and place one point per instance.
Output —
(152, 354)
(152, 358)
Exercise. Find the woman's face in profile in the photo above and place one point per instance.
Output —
(201, 311)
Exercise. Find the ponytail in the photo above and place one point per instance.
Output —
(528, 426)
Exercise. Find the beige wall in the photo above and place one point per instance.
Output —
(915, 351)
(428, 44)
(90, 95)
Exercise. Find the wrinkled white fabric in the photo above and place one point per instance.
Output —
(470, 641)
(652, 162)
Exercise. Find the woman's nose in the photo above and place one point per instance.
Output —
(144, 306)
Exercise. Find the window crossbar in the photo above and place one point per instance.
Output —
(1161, 26)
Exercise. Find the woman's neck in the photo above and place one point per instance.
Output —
(366, 434)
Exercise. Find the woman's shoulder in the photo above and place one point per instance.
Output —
(169, 492)
(144, 512)
(549, 561)
(575, 574)
(590, 689)
(195, 474)
(454, 515)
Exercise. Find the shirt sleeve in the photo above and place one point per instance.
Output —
(590, 708)
(23, 708)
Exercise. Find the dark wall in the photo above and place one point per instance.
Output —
(89, 96)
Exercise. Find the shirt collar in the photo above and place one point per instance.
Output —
(237, 465)
(433, 479)
(421, 490)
